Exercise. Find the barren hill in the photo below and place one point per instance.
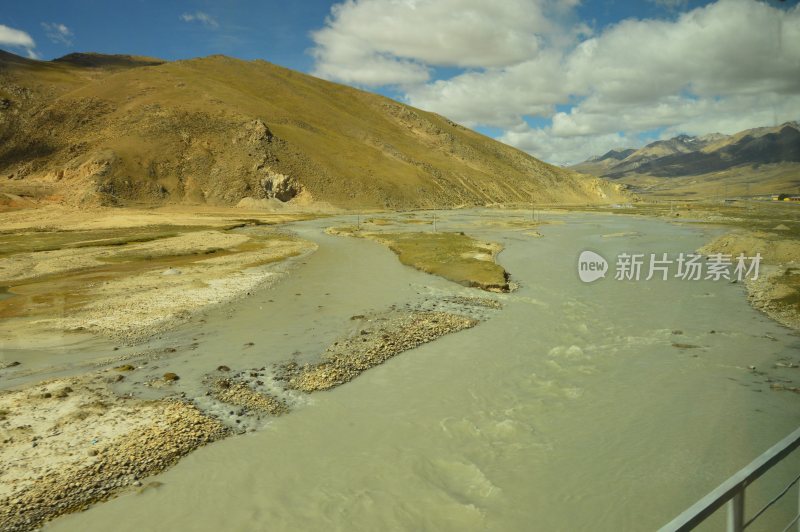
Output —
(117, 130)
(755, 161)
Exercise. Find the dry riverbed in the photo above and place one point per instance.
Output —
(382, 338)
(108, 274)
(776, 291)
(68, 443)
(71, 442)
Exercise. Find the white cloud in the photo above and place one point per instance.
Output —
(727, 66)
(496, 97)
(12, 37)
(546, 145)
(733, 46)
(376, 42)
(203, 18)
(18, 39)
(586, 131)
(58, 33)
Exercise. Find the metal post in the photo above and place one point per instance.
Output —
(736, 512)
(731, 492)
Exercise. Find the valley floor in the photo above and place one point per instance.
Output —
(130, 274)
(132, 338)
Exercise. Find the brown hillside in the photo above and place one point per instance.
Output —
(115, 130)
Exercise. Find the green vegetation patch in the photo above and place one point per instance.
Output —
(34, 241)
(65, 292)
(454, 256)
(789, 285)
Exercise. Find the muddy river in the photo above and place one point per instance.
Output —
(605, 406)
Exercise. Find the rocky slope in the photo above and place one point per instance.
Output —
(694, 156)
(756, 161)
(119, 130)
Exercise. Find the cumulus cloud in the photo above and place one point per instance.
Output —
(378, 42)
(723, 67)
(14, 38)
(203, 18)
(546, 145)
(497, 97)
(586, 131)
(58, 33)
(733, 46)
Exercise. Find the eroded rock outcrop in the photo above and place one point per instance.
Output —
(279, 186)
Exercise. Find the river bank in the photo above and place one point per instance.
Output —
(131, 275)
(776, 290)
(480, 428)
(70, 443)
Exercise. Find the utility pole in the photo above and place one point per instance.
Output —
(533, 209)
(749, 198)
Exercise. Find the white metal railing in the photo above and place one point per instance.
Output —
(732, 492)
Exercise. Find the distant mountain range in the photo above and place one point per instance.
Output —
(684, 156)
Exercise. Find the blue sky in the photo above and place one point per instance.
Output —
(522, 71)
(277, 31)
